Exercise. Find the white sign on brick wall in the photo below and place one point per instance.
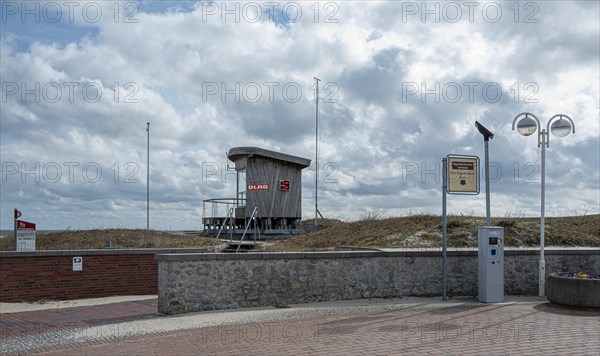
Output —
(77, 264)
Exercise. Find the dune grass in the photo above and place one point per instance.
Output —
(420, 231)
(118, 238)
(415, 231)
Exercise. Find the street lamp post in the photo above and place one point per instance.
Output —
(561, 128)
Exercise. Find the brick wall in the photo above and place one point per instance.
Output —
(49, 275)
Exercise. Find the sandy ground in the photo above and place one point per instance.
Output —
(19, 307)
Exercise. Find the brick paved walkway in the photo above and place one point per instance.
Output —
(469, 329)
(43, 321)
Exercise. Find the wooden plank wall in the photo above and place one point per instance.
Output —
(274, 202)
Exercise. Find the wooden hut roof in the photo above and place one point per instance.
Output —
(236, 153)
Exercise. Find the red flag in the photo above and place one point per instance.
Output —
(17, 214)
(25, 225)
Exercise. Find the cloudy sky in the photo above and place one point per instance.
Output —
(402, 84)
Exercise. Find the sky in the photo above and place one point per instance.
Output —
(401, 86)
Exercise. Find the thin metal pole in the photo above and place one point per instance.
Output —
(148, 178)
(444, 227)
(316, 151)
(542, 269)
(487, 185)
(15, 232)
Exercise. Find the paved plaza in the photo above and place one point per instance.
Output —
(423, 326)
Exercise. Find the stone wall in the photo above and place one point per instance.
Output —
(197, 282)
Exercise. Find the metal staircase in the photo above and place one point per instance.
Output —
(255, 232)
(227, 219)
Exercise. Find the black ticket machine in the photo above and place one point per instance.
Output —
(491, 264)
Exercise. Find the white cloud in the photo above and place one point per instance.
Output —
(384, 143)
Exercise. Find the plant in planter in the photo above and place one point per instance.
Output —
(574, 288)
(579, 275)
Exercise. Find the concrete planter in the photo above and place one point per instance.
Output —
(579, 292)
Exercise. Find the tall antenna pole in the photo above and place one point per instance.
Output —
(316, 150)
(148, 178)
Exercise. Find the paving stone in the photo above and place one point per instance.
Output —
(451, 328)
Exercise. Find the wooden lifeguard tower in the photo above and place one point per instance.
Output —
(268, 194)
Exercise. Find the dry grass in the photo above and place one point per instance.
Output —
(426, 231)
(414, 231)
(119, 238)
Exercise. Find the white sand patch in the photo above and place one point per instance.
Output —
(20, 307)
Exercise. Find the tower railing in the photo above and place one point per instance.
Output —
(256, 229)
(215, 211)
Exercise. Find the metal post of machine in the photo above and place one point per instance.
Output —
(487, 135)
(488, 218)
(444, 226)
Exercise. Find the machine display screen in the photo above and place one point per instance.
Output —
(493, 240)
(494, 252)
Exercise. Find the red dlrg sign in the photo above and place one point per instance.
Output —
(258, 187)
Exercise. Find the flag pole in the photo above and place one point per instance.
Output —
(148, 178)
(316, 150)
(16, 216)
